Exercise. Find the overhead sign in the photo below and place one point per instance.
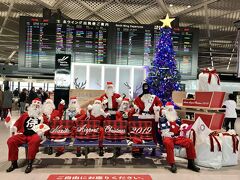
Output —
(62, 73)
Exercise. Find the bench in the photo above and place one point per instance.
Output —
(86, 135)
(142, 130)
(115, 135)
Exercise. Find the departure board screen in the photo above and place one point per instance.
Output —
(95, 42)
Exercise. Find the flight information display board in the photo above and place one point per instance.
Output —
(95, 42)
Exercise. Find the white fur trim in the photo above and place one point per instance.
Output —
(184, 126)
(13, 130)
(119, 100)
(74, 119)
(41, 119)
(105, 101)
(62, 102)
(89, 107)
(59, 140)
(9, 124)
(232, 132)
(156, 108)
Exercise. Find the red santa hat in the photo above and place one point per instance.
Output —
(99, 100)
(126, 100)
(169, 105)
(36, 101)
(73, 98)
(109, 84)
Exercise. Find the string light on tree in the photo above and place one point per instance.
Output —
(163, 75)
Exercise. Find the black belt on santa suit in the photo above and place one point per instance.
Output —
(145, 112)
(110, 109)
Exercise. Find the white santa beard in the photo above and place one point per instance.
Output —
(48, 109)
(109, 95)
(34, 112)
(171, 116)
(147, 100)
(96, 110)
(73, 107)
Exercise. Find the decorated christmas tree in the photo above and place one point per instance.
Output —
(163, 76)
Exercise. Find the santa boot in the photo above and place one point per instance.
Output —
(29, 166)
(173, 168)
(101, 153)
(13, 166)
(192, 166)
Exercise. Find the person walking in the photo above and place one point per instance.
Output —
(23, 100)
(1, 102)
(230, 113)
(32, 95)
(7, 101)
(16, 92)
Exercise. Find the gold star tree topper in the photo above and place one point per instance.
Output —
(167, 21)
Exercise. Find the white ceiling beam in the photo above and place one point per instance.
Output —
(3, 41)
(188, 10)
(137, 11)
(11, 30)
(42, 3)
(163, 7)
(6, 18)
(57, 4)
(97, 10)
(125, 9)
(9, 35)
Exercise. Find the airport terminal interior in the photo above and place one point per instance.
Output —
(119, 89)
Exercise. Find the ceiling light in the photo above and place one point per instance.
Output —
(189, 6)
(171, 5)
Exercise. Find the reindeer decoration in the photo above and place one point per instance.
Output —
(79, 85)
(135, 93)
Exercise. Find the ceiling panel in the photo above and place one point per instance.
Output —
(113, 12)
(94, 5)
(150, 15)
(74, 9)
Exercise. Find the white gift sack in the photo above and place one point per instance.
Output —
(203, 147)
(230, 148)
(205, 85)
(206, 157)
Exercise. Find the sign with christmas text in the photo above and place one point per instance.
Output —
(115, 130)
(87, 129)
(141, 129)
(61, 129)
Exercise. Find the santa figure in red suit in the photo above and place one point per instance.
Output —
(24, 133)
(74, 111)
(125, 112)
(49, 114)
(111, 100)
(49, 111)
(170, 127)
(96, 112)
(148, 106)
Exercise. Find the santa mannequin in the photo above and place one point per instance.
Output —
(96, 112)
(111, 100)
(149, 107)
(25, 134)
(170, 127)
(49, 114)
(124, 112)
(74, 111)
(49, 111)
